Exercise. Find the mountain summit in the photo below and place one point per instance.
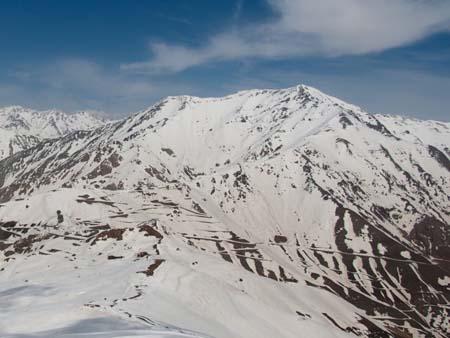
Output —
(266, 213)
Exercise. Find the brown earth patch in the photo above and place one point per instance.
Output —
(150, 231)
(116, 234)
(152, 268)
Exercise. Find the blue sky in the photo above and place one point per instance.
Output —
(389, 56)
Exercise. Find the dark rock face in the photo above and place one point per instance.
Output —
(433, 237)
(439, 156)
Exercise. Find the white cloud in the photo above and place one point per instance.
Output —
(362, 26)
(310, 27)
(92, 78)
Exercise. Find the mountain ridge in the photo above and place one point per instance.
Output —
(23, 127)
(250, 199)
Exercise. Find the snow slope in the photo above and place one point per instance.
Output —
(267, 213)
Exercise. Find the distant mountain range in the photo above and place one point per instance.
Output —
(266, 213)
(22, 128)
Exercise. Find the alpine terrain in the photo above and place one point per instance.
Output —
(22, 128)
(266, 213)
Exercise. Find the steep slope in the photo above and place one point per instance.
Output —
(432, 133)
(266, 213)
(23, 128)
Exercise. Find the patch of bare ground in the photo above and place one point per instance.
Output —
(150, 231)
(24, 245)
(152, 268)
(116, 234)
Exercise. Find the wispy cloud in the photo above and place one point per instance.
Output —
(80, 84)
(309, 27)
(92, 78)
(237, 10)
(298, 28)
(74, 84)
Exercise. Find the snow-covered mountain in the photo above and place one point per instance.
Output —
(22, 128)
(267, 213)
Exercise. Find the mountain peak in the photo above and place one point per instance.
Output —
(287, 193)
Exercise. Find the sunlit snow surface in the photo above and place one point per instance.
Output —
(76, 282)
(283, 213)
(34, 305)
